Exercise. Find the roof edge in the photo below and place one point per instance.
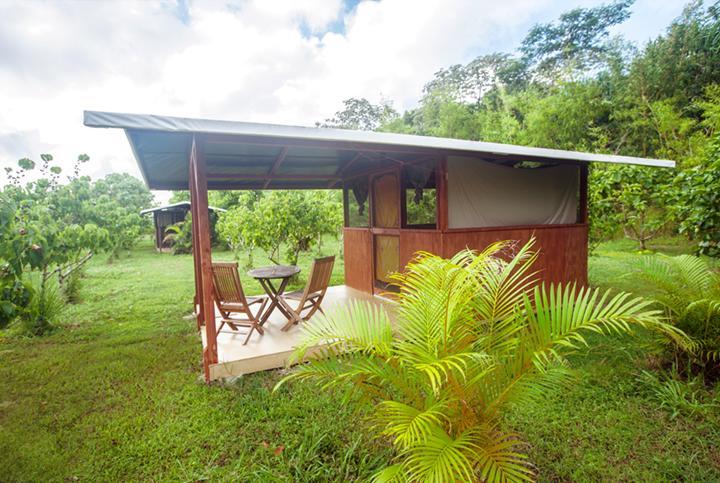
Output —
(151, 122)
(176, 205)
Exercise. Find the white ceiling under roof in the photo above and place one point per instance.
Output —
(242, 155)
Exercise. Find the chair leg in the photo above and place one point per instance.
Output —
(261, 309)
(315, 307)
(252, 327)
(295, 318)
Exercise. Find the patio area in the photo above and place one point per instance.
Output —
(273, 350)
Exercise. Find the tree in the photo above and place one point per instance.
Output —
(291, 219)
(468, 83)
(361, 114)
(117, 202)
(680, 64)
(578, 42)
(696, 202)
(15, 247)
(474, 336)
(634, 199)
(46, 235)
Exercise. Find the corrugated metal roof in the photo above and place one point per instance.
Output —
(245, 153)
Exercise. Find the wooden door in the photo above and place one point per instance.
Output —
(385, 227)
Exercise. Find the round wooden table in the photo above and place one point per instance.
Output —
(265, 275)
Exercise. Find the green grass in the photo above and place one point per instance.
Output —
(114, 394)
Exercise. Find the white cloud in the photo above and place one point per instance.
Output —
(283, 61)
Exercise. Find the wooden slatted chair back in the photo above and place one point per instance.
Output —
(227, 283)
(320, 274)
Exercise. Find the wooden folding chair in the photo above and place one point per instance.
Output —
(230, 299)
(312, 296)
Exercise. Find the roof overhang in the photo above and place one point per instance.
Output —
(179, 206)
(243, 155)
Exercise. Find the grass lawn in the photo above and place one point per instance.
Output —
(115, 394)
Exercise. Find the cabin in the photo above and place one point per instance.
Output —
(402, 194)
(168, 215)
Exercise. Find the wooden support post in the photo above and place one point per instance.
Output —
(203, 252)
(197, 302)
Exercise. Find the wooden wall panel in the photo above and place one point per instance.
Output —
(358, 254)
(563, 248)
(412, 241)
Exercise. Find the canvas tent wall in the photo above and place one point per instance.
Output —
(482, 194)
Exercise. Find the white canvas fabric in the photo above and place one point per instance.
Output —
(482, 194)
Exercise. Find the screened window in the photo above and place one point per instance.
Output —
(356, 203)
(420, 196)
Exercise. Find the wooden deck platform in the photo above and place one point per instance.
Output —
(273, 350)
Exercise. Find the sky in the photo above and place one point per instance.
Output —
(276, 61)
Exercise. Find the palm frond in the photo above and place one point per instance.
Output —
(516, 386)
(501, 283)
(441, 458)
(436, 322)
(409, 426)
(439, 369)
(678, 281)
(357, 327)
(559, 316)
(390, 474)
(499, 458)
(434, 290)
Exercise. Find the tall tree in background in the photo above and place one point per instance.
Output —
(361, 114)
(577, 42)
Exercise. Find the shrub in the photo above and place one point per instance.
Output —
(677, 396)
(689, 293)
(179, 236)
(44, 307)
(71, 286)
(473, 336)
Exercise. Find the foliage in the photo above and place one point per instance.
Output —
(577, 42)
(361, 114)
(15, 294)
(179, 236)
(37, 318)
(573, 86)
(697, 203)
(471, 339)
(628, 197)
(54, 229)
(677, 396)
(72, 285)
(118, 200)
(689, 292)
(294, 219)
(467, 84)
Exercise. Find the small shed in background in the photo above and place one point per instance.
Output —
(168, 215)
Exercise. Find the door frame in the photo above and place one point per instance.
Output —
(374, 231)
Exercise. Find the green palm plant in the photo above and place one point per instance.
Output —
(179, 236)
(471, 337)
(689, 292)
